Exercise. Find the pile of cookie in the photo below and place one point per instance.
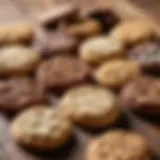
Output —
(95, 63)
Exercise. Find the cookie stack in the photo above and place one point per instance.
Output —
(96, 64)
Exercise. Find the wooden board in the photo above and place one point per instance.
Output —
(16, 10)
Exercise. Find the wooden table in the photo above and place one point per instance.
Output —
(20, 10)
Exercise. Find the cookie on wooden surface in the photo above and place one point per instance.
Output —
(16, 60)
(41, 128)
(15, 33)
(142, 95)
(99, 49)
(132, 31)
(84, 29)
(90, 106)
(62, 72)
(55, 43)
(17, 93)
(115, 74)
(118, 145)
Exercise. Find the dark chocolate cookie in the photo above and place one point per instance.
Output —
(18, 93)
(142, 95)
(148, 55)
(62, 72)
(55, 43)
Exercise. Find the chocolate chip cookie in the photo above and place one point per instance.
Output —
(118, 145)
(62, 72)
(90, 106)
(55, 43)
(41, 128)
(100, 49)
(18, 60)
(17, 93)
(142, 95)
(84, 29)
(133, 31)
(16, 33)
(115, 74)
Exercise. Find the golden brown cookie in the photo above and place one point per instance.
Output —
(90, 106)
(118, 145)
(41, 128)
(117, 73)
(99, 49)
(16, 60)
(15, 33)
(132, 31)
(84, 29)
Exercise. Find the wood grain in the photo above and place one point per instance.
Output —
(17, 10)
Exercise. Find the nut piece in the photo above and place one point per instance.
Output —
(142, 95)
(90, 106)
(117, 73)
(118, 145)
(62, 72)
(132, 31)
(41, 128)
(17, 60)
(18, 93)
(15, 33)
(84, 29)
(99, 49)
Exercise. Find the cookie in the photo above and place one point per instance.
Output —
(59, 14)
(147, 54)
(55, 43)
(84, 29)
(107, 18)
(16, 33)
(62, 72)
(41, 128)
(17, 60)
(99, 49)
(90, 106)
(133, 31)
(117, 73)
(118, 145)
(142, 95)
(17, 93)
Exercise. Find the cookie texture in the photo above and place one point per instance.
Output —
(133, 31)
(118, 144)
(99, 49)
(90, 106)
(55, 43)
(62, 72)
(17, 93)
(84, 29)
(16, 33)
(41, 128)
(17, 60)
(115, 74)
(59, 14)
(142, 95)
(147, 54)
